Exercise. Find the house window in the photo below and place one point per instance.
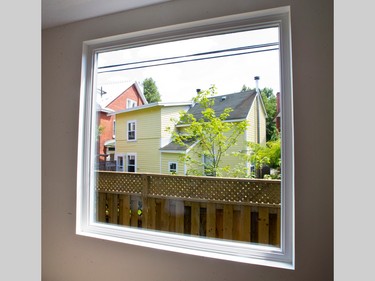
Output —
(172, 166)
(130, 103)
(131, 131)
(120, 163)
(231, 217)
(207, 165)
(131, 163)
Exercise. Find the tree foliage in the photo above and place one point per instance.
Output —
(210, 135)
(150, 90)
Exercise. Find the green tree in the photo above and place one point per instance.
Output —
(211, 135)
(269, 101)
(150, 90)
(269, 154)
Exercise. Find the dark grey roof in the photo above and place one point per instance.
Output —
(173, 146)
(240, 103)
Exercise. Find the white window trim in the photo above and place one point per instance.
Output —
(127, 130)
(123, 163)
(169, 166)
(127, 103)
(86, 225)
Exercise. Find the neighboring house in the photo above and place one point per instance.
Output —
(143, 143)
(109, 100)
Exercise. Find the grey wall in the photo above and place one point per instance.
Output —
(68, 257)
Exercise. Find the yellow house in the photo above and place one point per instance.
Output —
(141, 132)
(144, 145)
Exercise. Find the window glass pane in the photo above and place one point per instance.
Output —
(208, 136)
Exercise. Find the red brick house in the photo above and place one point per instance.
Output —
(110, 99)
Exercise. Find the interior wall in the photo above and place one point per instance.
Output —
(66, 256)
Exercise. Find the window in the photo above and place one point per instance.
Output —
(120, 163)
(231, 217)
(130, 103)
(207, 165)
(172, 167)
(131, 163)
(131, 131)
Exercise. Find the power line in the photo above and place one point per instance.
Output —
(189, 56)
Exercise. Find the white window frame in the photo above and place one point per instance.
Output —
(132, 102)
(135, 161)
(169, 166)
(86, 225)
(117, 156)
(135, 130)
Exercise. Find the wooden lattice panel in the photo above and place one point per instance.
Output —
(255, 192)
(207, 189)
(115, 182)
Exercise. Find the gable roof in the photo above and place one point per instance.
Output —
(240, 103)
(151, 105)
(113, 91)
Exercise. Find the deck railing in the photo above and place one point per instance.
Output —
(225, 208)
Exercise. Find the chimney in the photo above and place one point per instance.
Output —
(256, 78)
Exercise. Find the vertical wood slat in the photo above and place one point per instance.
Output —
(237, 225)
(112, 200)
(278, 213)
(134, 211)
(125, 209)
(101, 206)
(219, 223)
(228, 221)
(245, 226)
(157, 214)
(164, 215)
(172, 216)
(263, 225)
(180, 209)
(145, 201)
(151, 213)
(195, 218)
(211, 220)
(187, 219)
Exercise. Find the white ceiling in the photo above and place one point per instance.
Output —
(59, 12)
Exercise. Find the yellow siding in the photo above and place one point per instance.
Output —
(172, 157)
(251, 129)
(166, 114)
(251, 133)
(263, 136)
(148, 133)
(235, 161)
(151, 124)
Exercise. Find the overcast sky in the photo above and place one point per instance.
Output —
(178, 82)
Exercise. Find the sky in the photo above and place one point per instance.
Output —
(179, 81)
